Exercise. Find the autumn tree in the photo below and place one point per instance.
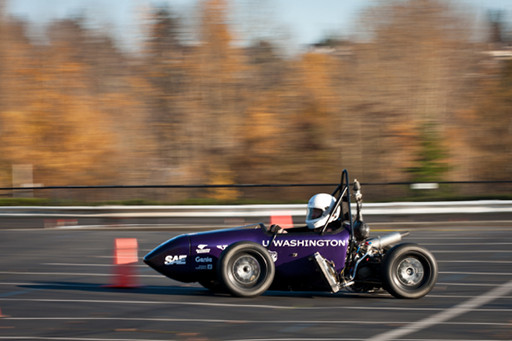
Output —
(165, 71)
(65, 109)
(490, 125)
(218, 93)
(317, 122)
(54, 126)
(15, 59)
(412, 72)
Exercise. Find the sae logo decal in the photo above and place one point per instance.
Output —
(176, 260)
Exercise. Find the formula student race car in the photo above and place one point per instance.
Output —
(246, 261)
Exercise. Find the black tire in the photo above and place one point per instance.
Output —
(246, 269)
(409, 271)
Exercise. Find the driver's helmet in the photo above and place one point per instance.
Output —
(319, 208)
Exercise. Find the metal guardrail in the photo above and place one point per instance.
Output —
(240, 211)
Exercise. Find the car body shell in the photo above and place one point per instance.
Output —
(194, 257)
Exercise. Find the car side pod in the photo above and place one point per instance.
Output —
(329, 273)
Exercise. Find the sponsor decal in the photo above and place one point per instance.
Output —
(175, 260)
(204, 267)
(202, 248)
(204, 259)
(273, 254)
(305, 243)
(222, 247)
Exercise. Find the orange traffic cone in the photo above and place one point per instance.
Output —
(285, 221)
(125, 257)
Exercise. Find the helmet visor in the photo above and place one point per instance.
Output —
(315, 213)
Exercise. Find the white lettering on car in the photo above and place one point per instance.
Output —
(305, 243)
(175, 260)
(204, 267)
(203, 260)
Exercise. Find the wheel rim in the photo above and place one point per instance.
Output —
(246, 270)
(410, 271)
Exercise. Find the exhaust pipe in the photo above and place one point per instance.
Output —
(388, 239)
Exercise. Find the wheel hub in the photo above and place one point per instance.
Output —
(246, 269)
(410, 271)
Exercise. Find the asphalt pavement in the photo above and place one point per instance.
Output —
(54, 285)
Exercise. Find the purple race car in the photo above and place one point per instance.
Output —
(248, 260)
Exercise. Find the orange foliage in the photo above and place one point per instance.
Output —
(209, 109)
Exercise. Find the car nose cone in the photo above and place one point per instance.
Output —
(171, 258)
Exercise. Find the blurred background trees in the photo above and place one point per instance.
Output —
(417, 96)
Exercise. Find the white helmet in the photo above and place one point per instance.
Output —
(319, 208)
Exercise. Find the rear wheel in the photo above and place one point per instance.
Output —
(246, 269)
(409, 271)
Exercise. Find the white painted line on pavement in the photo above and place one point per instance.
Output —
(475, 261)
(233, 305)
(448, 314)
(466, 284)
(222, 321)
(467, 244)
(49, 338)
(476, 273)
(81, 285)
(471, 251)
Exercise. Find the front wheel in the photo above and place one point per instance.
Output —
(246, 269)
(409, 271)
